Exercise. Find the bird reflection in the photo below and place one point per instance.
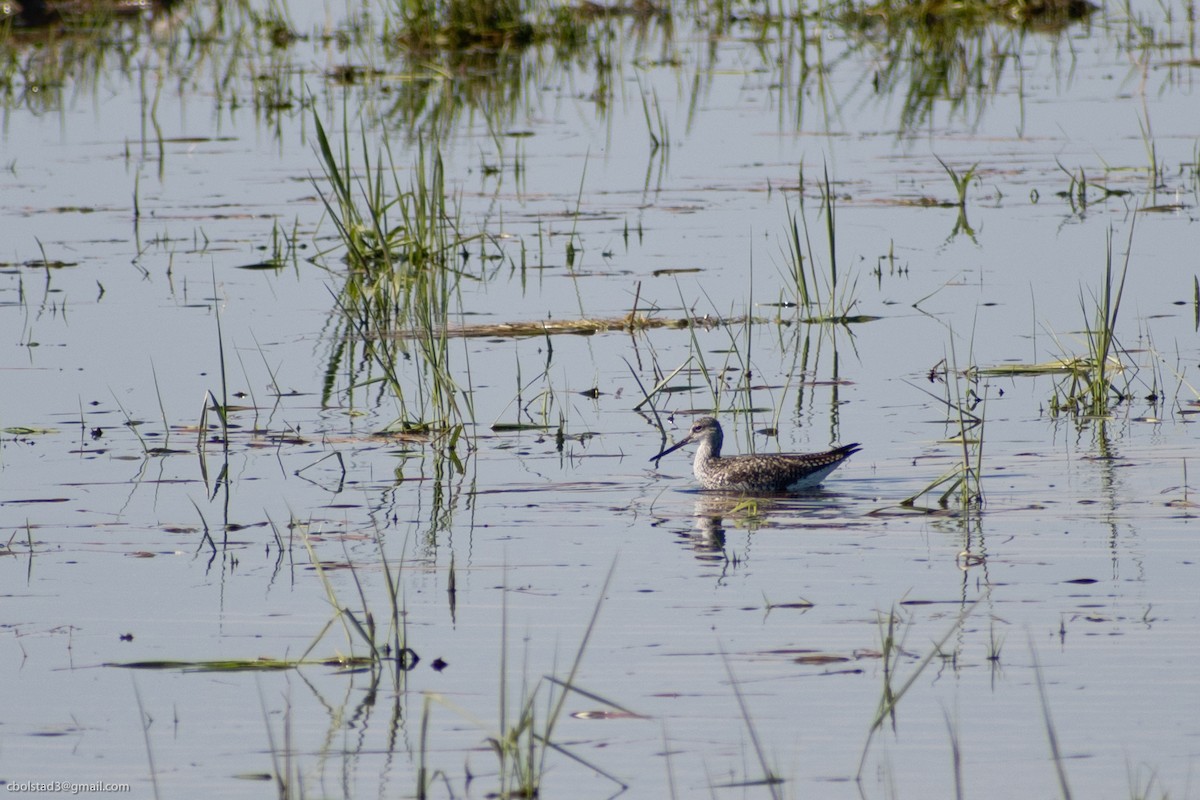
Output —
(714, 514)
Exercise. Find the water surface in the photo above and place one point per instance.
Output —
(139, 193)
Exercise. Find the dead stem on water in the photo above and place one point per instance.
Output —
(579, 327)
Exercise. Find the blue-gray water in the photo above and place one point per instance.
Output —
(1082, 558)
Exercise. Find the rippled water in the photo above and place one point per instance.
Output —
(727, 629)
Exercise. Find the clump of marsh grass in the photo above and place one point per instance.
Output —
(283, 250)
(484, 45)
(968, 13)
(496, 26)
(995, 643)
(961, 181)
(402, 250)
(1076, 192)
(946, 52)
(656, 123)
(817, 294)
(460, 24)
(525, 735)
(1089, 386)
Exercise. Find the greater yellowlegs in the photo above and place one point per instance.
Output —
(765, 473)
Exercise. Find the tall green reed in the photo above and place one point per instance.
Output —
(1089, 388)
(401, 250)
(818, 295)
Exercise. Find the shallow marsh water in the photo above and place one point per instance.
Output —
(1082, 559)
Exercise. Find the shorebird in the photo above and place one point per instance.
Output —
(769, 473)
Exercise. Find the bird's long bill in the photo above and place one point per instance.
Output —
(671, 449)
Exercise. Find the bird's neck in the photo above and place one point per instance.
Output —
(708, 451)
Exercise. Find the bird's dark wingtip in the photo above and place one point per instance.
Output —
(850, 449)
